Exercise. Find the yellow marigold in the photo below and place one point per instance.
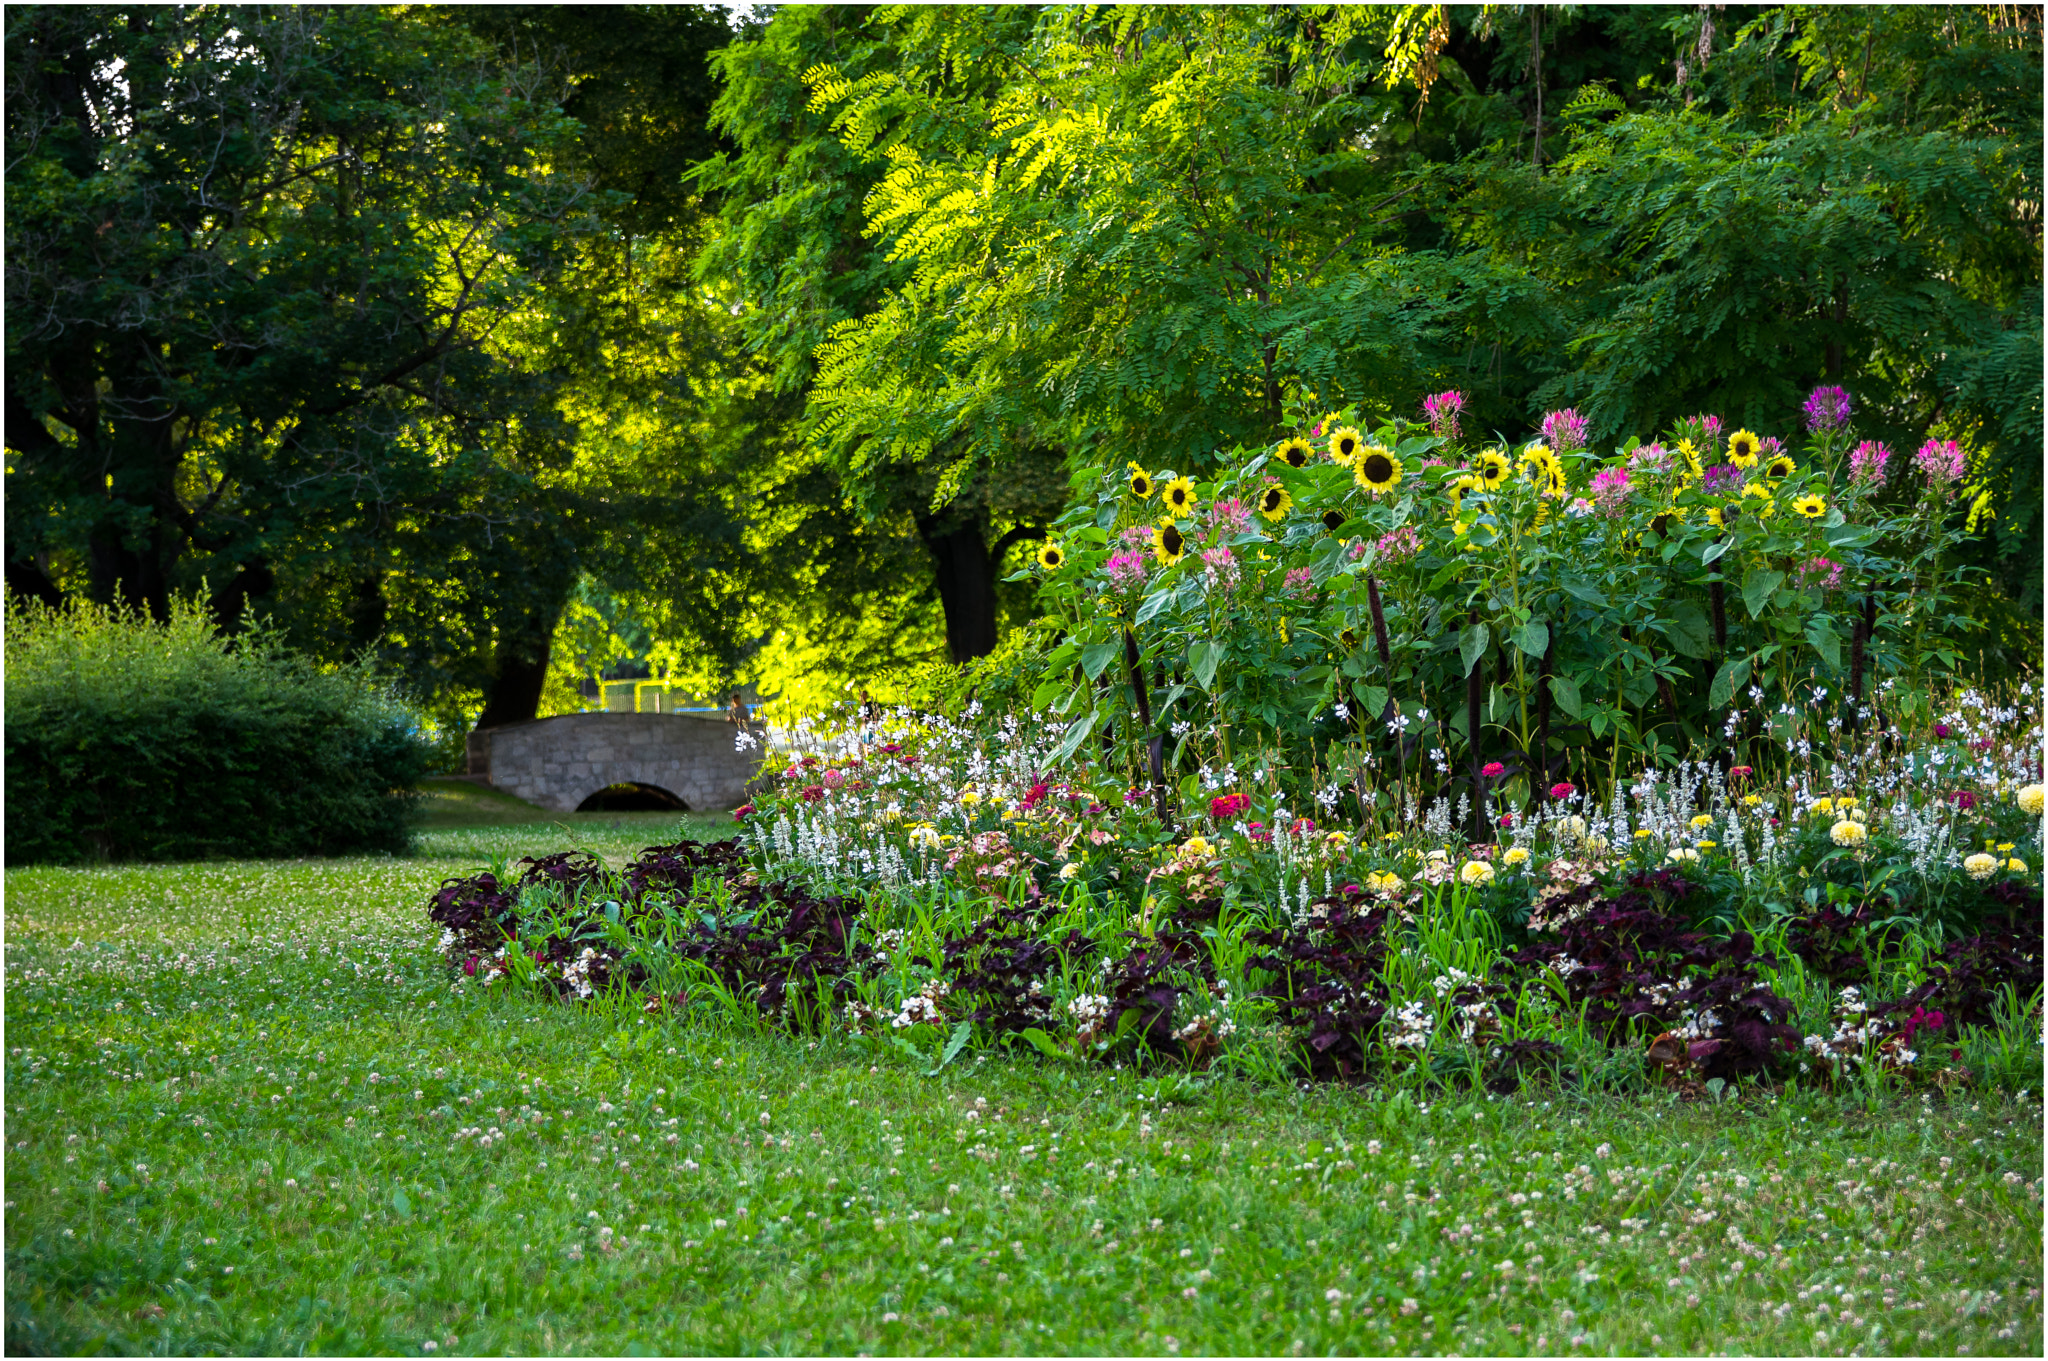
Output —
(1703, 820)
(2032, 799)
(1679, 855)
(1476, 874)
(1980, 866)
(1849, 833)
(2016, 865)
(1516, 855)
(1822, 807)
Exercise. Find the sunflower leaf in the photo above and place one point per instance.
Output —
(1565, 691)
(1077, 733)
(1472, 641)
(1154, 603)
(1533, 638)
(1096, 657)
(1203, 656)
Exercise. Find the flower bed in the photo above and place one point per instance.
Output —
(935, 889)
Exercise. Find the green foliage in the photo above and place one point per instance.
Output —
(131, 740)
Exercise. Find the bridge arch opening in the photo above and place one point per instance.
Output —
(632, 797)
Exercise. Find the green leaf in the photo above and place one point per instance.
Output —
(1757, 586)
(1048, 691)
(1154, 603)
(907, 1047)
(1730, 678)
(1821, 633)
(1077, 733)
(958, 1042)
(1717, 548)
(1373, 698)
(1852, 536)
(1565, 691)
(1042, 1042)
(1690, 631)
(401, 1204)
(1096, 657)
(1533, 638)
(1472, 640)
(1203, 657)
(1583, 591)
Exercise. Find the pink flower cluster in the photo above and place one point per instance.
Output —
(1442, 410)
(1219, 565)
(1610, 487)
(1228, 805)
(1493, 770)
(1400, 545)
(1564, 431)
(1300, 582)
(1230, 516)
(1943, 461)
(1126, 569)
(1826, 568)
(1826, 408)
(1866, 463)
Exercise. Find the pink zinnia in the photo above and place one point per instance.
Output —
(1493, 770)
(1943, 461)
(1563, 789)
(1229, 805)
(1866, 463)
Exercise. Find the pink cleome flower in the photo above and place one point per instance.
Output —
(1126, 569)
(1943, 461)
(1442, 410)
(1866, 463)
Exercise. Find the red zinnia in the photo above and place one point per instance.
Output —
(1229, 805)
(813, 792)
(741, 813)
(1493, 770)
(1563, 789)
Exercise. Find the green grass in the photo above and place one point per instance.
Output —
(199, 1161)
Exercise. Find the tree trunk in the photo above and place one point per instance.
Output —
(965, 571)
(522, 666)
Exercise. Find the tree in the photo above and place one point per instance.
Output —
(790, 239)
(258, 262)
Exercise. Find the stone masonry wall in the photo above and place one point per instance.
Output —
(559, 762)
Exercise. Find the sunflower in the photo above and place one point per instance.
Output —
(1349, 639)
(1141, 482)
(1179, 496)
(1691, 457)
(1333, 520)
(1664, 525)
(1541, 470)
(1811, 506)
(1780, 468)
(1743, 449)
(1052, 557)
(1296, 452)
(1491, 467)
(1377, 469)
(1274, 501)
(1724, 517)
(1345, 444)
(1167, 543)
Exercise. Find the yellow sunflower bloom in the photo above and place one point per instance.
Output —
(1296, 452)
(1811, 506)
(1666, 524)
(1179, 496)
(1491, 468)
(1780, 468)
(1691, 457)
(1743, 448)
(1141, 482)
(1333, 520)
(1376, 469)
(1345, 445)
(1167, 544)
(1274, 501)
(1052, 557)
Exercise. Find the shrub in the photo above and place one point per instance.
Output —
(133, 740)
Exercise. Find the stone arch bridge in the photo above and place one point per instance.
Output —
(564, 762)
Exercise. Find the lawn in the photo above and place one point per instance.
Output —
(247, 1111)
